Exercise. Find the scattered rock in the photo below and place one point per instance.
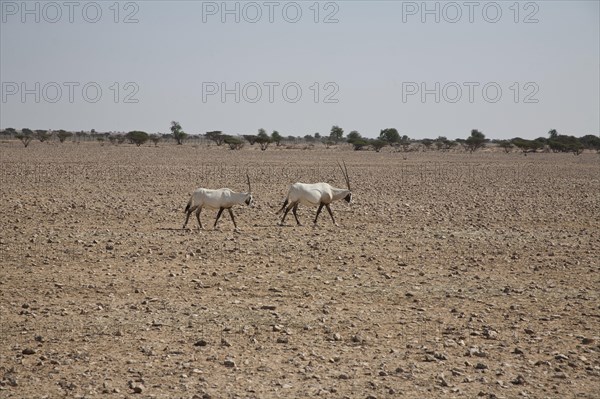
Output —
(519, 380)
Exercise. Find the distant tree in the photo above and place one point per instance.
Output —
(42, 135)
(390, 135)
(309, 138)
(356, 140)
(336, 134)
(404, 143)
(352, 136)
(291, 139)
(100, 139)
(234, 143)
(564, 143)
(155, 138)
(276, 138)
(263, 139)
(11, 131)
(553, 134)
(427, 143)
(506, 145)
(590, 142)
(137, 137)
(217, 136)
(378, 144)
(440, 143)
(25, 136)
(178, 134)
(475, 141)
(317, 135)
(250, 138)
(359, 144)
(327, 141)
(526, 146)
(63, 135)
(80, 136)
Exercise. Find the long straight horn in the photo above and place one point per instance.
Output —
(249, 186)
(345, 173)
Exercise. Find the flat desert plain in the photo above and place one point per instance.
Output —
(450, 275)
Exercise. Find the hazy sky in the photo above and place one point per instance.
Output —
(438, 68)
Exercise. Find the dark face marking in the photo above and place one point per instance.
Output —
(249, 200)
(348, 197)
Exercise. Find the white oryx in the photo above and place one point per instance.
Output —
(321, 194)
(220, 199)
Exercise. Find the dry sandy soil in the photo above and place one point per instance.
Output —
(451, 275)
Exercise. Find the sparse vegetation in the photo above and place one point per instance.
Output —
(234, 143)
(178, 134)
(137, 137)
(276, 138)
(42, 135)
(263, 139)
(250, 138)
(25, 136)
(155, 138)
(216, 136)
(337, 134)
(475, 141)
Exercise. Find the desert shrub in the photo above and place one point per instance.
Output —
(263, 139)
(155, 138)
(250, 138)
(475, 141)
(217, 136)
(177, 133)
(137, 137)
(234, 143)
(63, 135)
(25, 136)
(42, 135)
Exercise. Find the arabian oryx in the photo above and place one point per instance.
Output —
(220, 199)
(321, 194)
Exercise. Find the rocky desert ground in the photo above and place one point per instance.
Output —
(451, 275)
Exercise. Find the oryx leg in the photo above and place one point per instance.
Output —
(198, 217)
(318, 212)
(294, 210)
(187, 217)
(290, 206)
(218, 216)
(331, 214)
(232, 218)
